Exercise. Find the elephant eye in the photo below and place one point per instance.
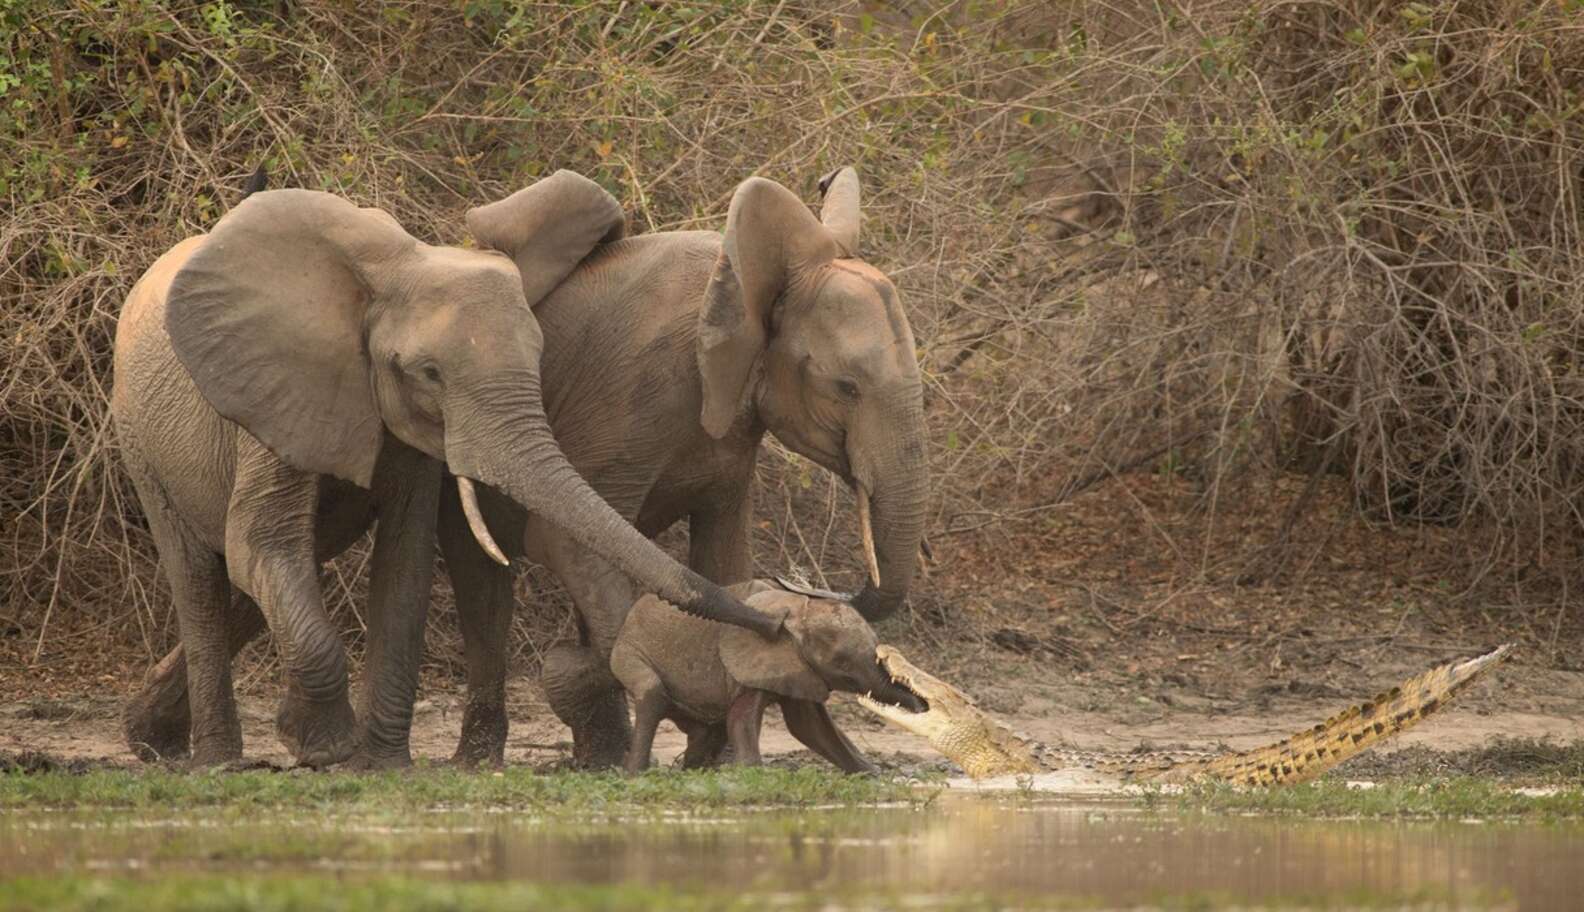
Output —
(847, 388)
(431, 373)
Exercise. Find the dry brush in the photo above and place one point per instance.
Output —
(1224, 240)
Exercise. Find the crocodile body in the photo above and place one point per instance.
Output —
(984, 747)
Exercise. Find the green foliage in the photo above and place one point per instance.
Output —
(223, 894)
(517, 787)
(190, 893)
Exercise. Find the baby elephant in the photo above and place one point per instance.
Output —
(714, 681)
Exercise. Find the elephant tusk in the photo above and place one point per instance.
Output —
(475, 520)
(866, 532)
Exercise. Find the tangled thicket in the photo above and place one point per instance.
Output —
(1224, 239)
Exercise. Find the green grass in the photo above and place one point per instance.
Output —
(224, 894)
(519, 788)
(1458, 797)
(220, 894)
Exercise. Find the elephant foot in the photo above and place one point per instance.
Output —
(706, 747)
(382, 745)
(318, 734)
(600, 739)
(583, 694)
(223, 752)
(155, 722)
(483, 741)
(365, 762)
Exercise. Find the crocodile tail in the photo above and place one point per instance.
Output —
(1308, 754)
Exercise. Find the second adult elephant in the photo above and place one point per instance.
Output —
(666, 359)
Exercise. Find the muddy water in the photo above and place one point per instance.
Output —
(1105, 853)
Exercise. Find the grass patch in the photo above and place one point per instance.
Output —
(216, 894)
(220, 894)
(1457, 797)
(520, 788)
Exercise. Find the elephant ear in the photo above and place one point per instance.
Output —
(839, 211)
(776, 666)
(548, 227)
(267, 318)
(771, 239)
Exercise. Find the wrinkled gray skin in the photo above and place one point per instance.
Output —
(714, 682)
(667, 357)
(306, 367)
(700, 344)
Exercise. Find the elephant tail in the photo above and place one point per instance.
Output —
(1310, 753)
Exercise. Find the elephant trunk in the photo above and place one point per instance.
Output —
(508, 445)
(891, 469)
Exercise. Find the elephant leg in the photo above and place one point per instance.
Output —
(743, 722)
(704, 743)
(199, 589)
(270, 555)
(577, 684)
(484, 602)
(594, 703)
(651, 705)
(720, 536)
(811, 724)
(157, 719)
(407, 485)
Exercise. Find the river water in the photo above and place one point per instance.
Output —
(1101, 853)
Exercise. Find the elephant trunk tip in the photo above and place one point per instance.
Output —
(875, 604)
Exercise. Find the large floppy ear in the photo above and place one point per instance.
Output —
(839, 208)
(771, 238)
(548, 227)
(267, 318)
(775, 666)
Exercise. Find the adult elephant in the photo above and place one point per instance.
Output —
(307, 366)
(667, 358)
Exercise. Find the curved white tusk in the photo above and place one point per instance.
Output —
(866, 532)
(475, 520)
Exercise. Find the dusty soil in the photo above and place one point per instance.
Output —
(87, 729)
(1120, 618)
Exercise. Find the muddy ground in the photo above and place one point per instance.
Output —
(87, 728)
(1121, 618)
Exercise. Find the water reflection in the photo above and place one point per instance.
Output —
(1108, 852)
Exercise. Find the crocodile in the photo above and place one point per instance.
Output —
(984, 747)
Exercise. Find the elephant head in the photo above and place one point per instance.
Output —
(320, 327)
(815, 341)
(829, 648)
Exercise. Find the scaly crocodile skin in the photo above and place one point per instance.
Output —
(984, 747)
